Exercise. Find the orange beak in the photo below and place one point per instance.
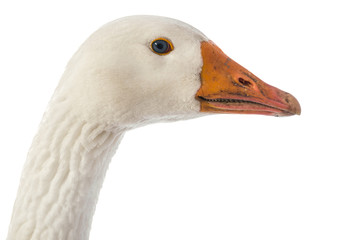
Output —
(227, 87)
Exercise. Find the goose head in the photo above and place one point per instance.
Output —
(131, 72)
(143, 69)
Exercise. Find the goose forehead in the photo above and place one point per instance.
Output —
(149, 27)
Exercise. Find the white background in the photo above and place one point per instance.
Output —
(218, 177)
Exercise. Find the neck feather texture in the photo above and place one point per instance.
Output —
(62, 178)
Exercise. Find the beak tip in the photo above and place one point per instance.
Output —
(294, 105)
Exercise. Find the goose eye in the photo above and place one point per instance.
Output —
(161, 46)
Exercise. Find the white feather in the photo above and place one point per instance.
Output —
(113, 83)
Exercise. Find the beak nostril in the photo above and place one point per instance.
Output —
(244, 82)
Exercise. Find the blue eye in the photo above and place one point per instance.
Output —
(161, 46)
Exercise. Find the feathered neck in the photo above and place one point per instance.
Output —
(62, 177)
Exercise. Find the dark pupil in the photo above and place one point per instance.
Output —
(160, 46)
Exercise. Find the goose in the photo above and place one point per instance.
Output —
(133, 71)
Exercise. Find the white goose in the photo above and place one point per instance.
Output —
(131, 72)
